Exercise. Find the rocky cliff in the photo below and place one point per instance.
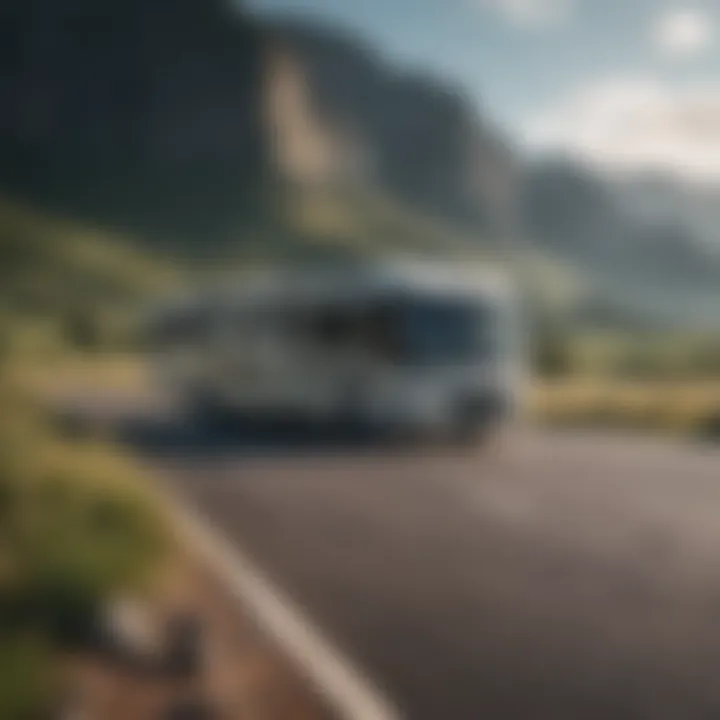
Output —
(176, 117)
(142, 112)
(417, 138)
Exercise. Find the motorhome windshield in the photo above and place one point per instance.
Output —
(439, 330)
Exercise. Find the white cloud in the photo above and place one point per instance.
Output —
(532, 13)
(636, 123)
(683, 32)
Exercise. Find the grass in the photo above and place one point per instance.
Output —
(65, 287)
(680, 406)
(78, 524)
(687, 407)
(79, 375)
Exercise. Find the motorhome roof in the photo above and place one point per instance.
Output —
(292, 284)
(380, 278)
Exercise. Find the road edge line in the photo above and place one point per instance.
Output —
(347, 691)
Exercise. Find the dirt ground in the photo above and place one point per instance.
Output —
(240, 676)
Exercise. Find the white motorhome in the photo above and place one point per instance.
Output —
(401, 346)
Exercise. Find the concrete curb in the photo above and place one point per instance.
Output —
(348, 693)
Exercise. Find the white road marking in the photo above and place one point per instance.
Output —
(347, 691)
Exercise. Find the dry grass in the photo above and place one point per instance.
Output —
(678, 406)
(83, 375)
(241, 674)
(687, 407)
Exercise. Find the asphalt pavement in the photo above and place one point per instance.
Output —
(573, 576)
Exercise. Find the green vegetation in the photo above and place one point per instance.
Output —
(66, 287)
(310, 223)
(76, 526)
(688, 408)
(26, 677)
(649, 355)
(661, 381)
(77, 522)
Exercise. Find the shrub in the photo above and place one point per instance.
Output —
(25, 676)
(75, 526)
(552, 354)
(686, 408)
(708, 427)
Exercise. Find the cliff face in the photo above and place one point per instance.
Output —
(141, 112)
(173, 116)
(413, 136)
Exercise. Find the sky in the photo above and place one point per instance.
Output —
(627, 84)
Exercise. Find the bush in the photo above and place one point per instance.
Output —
(75, 527)
(708, 428)
(552, 356)
(680, 407)
(81, 330)
(660, 355)
(25, 676)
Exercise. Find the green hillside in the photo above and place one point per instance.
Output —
(320, 222)
(62, 283)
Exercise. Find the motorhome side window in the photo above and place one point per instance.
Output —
(381, 331)
(184, 327)
(261, 321)
(333, 327)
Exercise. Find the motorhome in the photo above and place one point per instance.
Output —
(405, 347)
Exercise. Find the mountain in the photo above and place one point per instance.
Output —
(658, 200)
(193, 125)
(646, 258)
(415, 137)
(187, 118)
(144, 114)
